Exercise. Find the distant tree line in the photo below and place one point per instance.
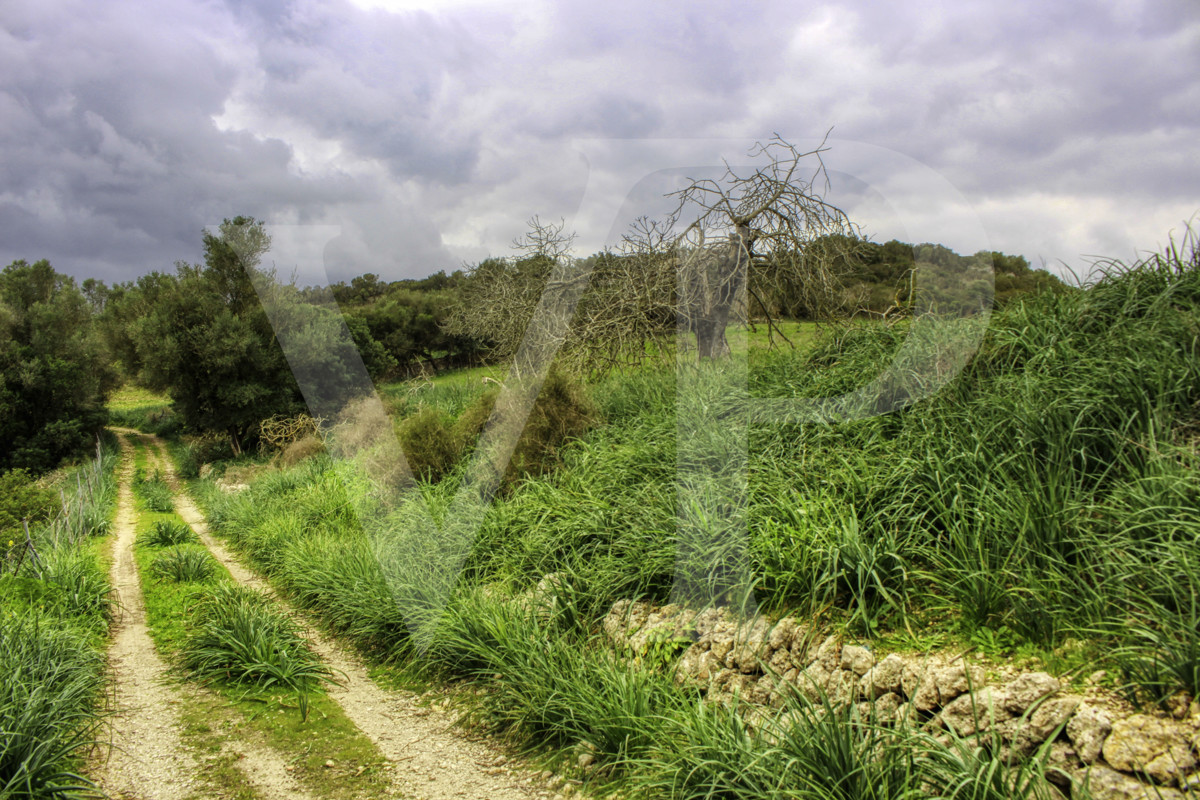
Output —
(632, 303)
(201, 335)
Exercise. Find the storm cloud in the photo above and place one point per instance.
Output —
(419, 136)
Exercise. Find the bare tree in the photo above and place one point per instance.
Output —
(767, 234)
(770, 231)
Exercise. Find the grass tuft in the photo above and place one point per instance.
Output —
(167, 533)
(239, 637)
(184, 565)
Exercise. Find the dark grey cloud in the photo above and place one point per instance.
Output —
(428, 136)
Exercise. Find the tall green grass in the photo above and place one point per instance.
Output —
(52, 677)
(153, 492)
(1047, 493)
(239, 637)
(55, 611)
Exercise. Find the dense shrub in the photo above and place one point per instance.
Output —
(435, 444)
(562, 412)
(431, 444)
(300, 450)
(21, 498)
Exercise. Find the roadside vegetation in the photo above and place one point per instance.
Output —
(265, 683)
(1039, 506)
(1042, 506)
(55, 607)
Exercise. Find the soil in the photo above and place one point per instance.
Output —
(147, 759)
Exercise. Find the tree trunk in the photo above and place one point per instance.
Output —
(710, 334)
(724, 290)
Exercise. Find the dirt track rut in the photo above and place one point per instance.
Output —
(147, 759)
(431, 762)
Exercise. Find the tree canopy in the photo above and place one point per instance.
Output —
(55, 371)
(207, 341)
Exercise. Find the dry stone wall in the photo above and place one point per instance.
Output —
(1093, 736)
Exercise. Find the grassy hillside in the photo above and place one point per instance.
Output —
(1044, 504)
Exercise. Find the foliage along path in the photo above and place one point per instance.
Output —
(147, 758)
(429, 761)
(146, 747)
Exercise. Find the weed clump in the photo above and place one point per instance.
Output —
(184, 565)
(154, 493)
(167, 533)
(241, 638)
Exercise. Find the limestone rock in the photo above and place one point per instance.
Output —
(749, 648)
(1027, 689)
(857, 659)
(1087, 730)
(932, 689)
(761, 691)
(817, 683)
(883, 678)
(954, 680)
(689, 666)
(1061, 762)
(913, 677)
(781, 635)
(1108, 784)
(975, 712)
(623, 618)
(1031, 730)
(925, 698)
(711, 620)
(781, 660)
(829, 654)
(732, 682)
(707, 666)
(1150, 746)
(667, 623)
(882, 709)
(802, 647)
(721, 645)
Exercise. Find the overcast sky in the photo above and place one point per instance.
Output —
(405, 136)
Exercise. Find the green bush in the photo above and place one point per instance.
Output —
(21, 498)
(165, 533)
(434, 444)
(184, 565)
(430, 443)
(561, 413)
(240, 637)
